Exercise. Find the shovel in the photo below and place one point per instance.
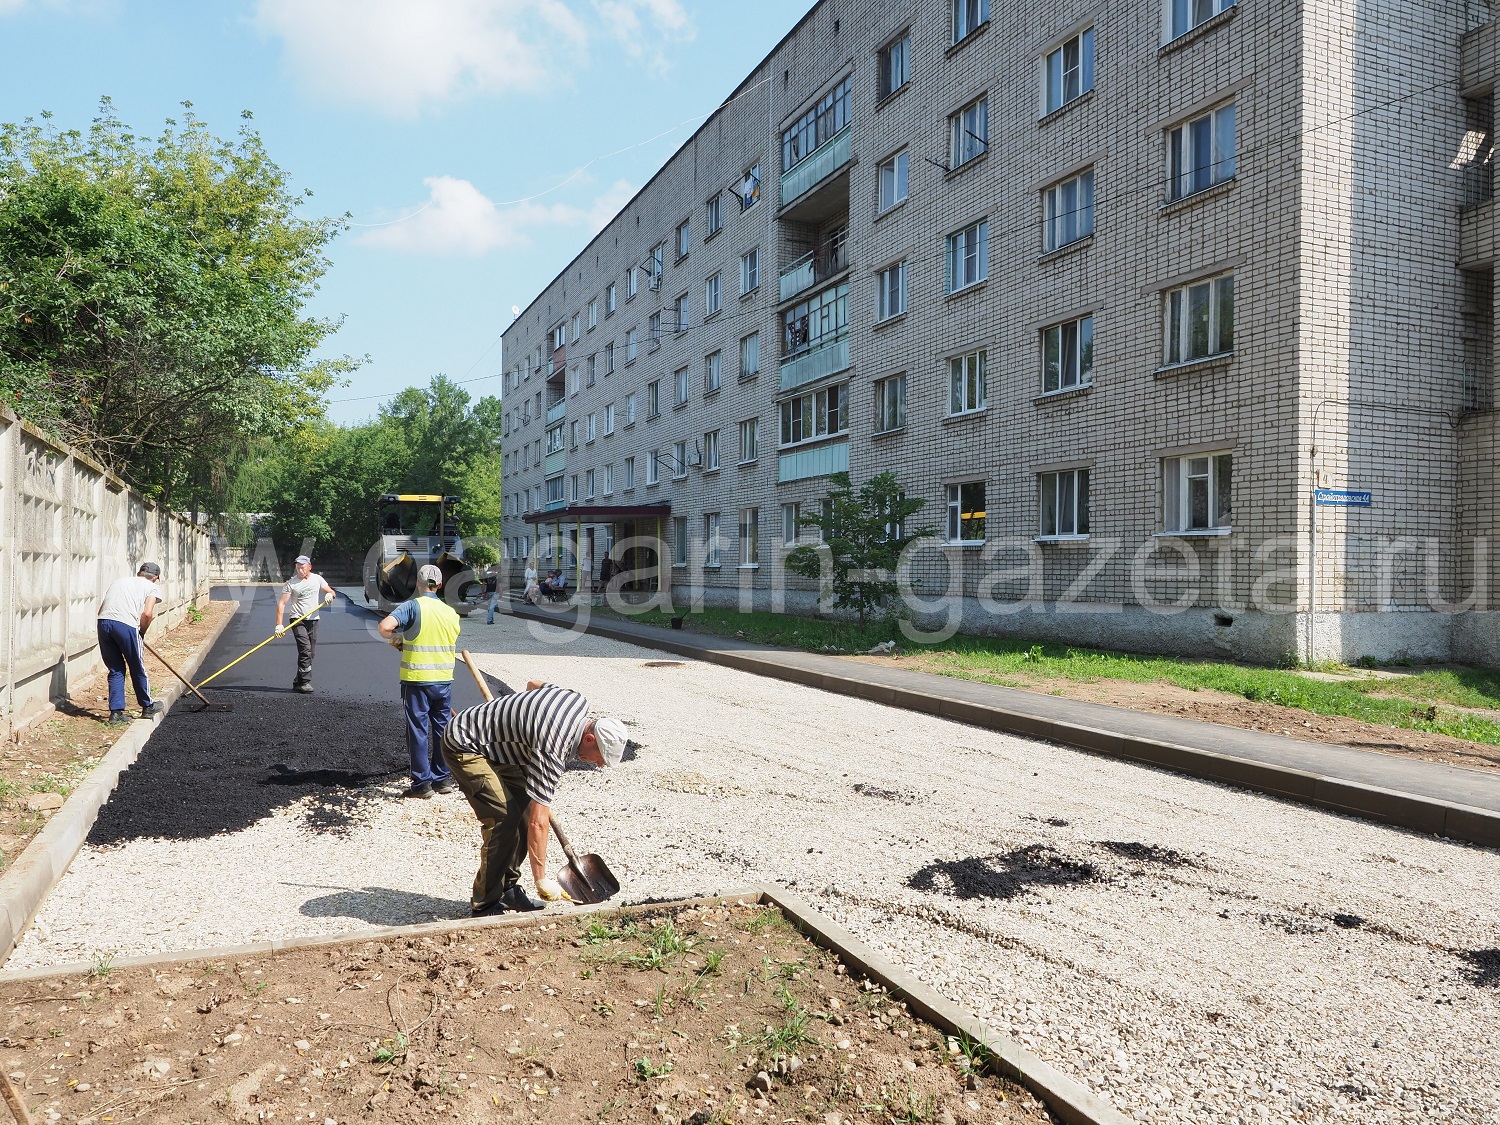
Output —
(207, 706)
(587, 878)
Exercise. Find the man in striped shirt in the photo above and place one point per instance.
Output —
(507, 756)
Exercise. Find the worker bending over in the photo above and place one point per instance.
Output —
(429, 635)
(507, 756)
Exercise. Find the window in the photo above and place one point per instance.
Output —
(791, 515)
(654, 262)
(895, 64)
(632, 344)
(609, 418)
(679, 460)
(1068, 211)
(684, 239)
(1188, 14)
(815, 415)
(968, 256)
(1200, 153)
(749, 440)
(892, 179)
(713, 295)
(590, 365)
(1195, 492)
(573, 380)
(593, 314)
(1200, 320)
(711, 544)
(588, 484)
(750, 355)
(967, 16)
(577, 327)
(653, 330)
(714, 219)
(653, 467)
(573, 486)
(713, 372)
(609, 357)
(1063, 501)
(750, 271)
(710, 451)
(966, 391)
(554, 491)
(653, 398)
(680, 378)
(818, 125)
(969, 133)
(555, 439)
(630, 409)
(680, 313)
(558, 337)
(679, 541)
(890, 404)
(630, 283)
(1068, 355)
(966, 512)
(575, 434)
(609, 480)
(1068, 72)
(890, 292)
(629, 473)
(610, 300)
(588, 429)
(749, 192)
(749, 536)
(820, 319)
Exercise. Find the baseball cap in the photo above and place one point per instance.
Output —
(302, 560)
(429, 575)
(611, 736)
(149, 570)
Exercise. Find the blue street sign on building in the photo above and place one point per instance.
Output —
(1341, 498)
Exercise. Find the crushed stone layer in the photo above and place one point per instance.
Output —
(1194, 953)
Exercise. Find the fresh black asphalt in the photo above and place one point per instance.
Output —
(205, 772)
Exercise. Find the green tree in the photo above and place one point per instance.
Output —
(864, 534)
(151, 297)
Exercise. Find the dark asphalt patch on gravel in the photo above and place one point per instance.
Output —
(1003, 876)
(1486, 967)
(1147, 853)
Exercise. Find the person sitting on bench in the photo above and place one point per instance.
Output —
(555, 585)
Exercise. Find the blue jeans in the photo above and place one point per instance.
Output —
(494, 605)
(428, 709)
(120, 648)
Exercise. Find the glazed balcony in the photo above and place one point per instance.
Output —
(828, 158)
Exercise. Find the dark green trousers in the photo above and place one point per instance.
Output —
(497, 794)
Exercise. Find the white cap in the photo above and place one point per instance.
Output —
(302, 560)
(610, 736)
(429, 575)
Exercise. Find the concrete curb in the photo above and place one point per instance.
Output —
(1368, 802)
(1068, 1099)
(44, 861)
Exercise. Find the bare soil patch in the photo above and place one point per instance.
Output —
(1209, 706)
(703, 1014)
(55, 752)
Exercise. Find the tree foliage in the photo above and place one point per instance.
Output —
(865, 533)
(151, 296)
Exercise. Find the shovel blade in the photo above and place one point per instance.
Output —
(591, 881)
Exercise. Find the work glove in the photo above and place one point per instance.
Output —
(328, 600)
(551, 891)
(281, 630)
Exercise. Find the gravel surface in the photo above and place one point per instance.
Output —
(1195, 953)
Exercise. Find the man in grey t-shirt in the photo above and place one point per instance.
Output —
(128, 608)
(305, 593)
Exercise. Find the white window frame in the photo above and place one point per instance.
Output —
(749, 440)
(1068, 355)
(1063, 504)
(750, 270)
(714, 217)
(653, 468)
(791, 529)
(1068, 71)
(1184, 15)
(609, 358)
(890, 292)
(683, 386)
(713, 372)
(611, 300)
(892, 181)
(711, 451)
(959, 494)
(969, 133)
(713, 548)
(632, 344)
(1180, 309)
(609, 479)
(679, 541)
(1202, 152)
(577, 327)
(684, 238)
(629, 474)
(748, 344)
(679, 460)
(968, 256)
(588, 429)
(1068, 211)
(890, 403)
(1183, 477)
(588, 482)
(968, 390)
(680, 313)
(749, 537)
(713, 295)
(894, 65)
(630, 283)
(593, 314)
(813, 416)
(630, 401)
(968, 17)
(653, 399)
(609, 418)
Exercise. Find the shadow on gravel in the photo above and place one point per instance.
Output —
(1147, 853)
(1003, 876)
(1486, 967)
(381, 906)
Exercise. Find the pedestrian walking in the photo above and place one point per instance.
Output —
(492, 589)
(507, 756)
(306, 592)
(607, 570)
(428, 630)
(128, 608)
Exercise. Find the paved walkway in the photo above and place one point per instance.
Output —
(1426, 796)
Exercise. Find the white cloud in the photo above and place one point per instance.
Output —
(403, 56)
(459, 220)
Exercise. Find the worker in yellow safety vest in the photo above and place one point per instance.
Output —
(425, 629)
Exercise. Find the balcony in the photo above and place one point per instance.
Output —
(555, 462)
(821, 163)
(819, 461)
(816, 266)
(557, 411)
(555, 505)
(813, 364)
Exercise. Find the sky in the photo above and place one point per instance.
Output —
(476, 145)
